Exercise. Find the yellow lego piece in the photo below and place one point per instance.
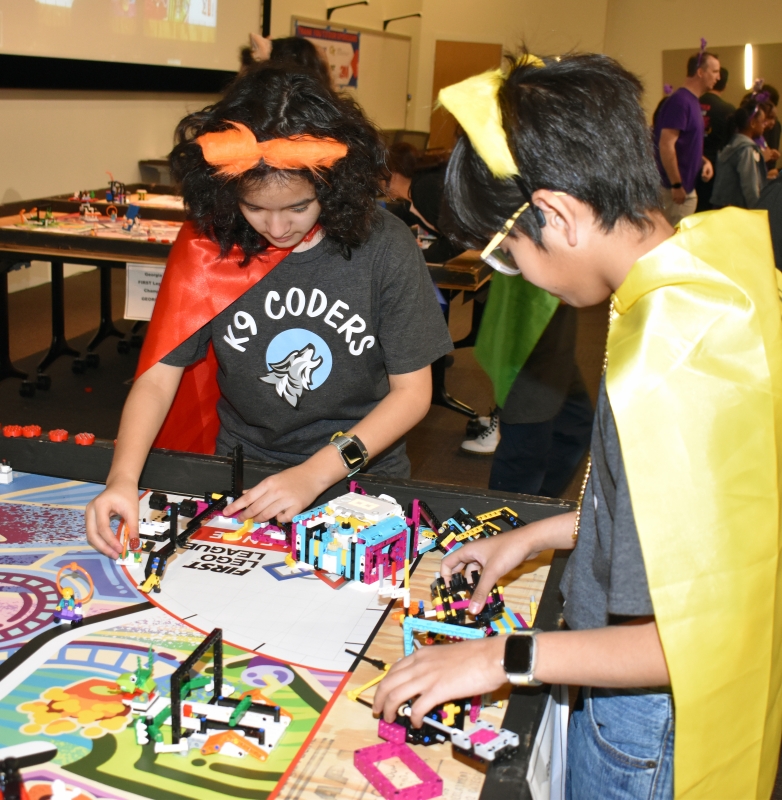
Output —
(344, 558)
(235, 536)
(290, 561)
(450, 710)
(316, 547)
(354, 694)
(150, 583)
(216, 496)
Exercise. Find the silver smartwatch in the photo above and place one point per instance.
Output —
(351, 449)
(521, 651)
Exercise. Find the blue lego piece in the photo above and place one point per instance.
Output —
(412, 624)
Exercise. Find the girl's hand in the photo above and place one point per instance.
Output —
(440, 673)
(500, 554)
(282, 495)
(120, 497)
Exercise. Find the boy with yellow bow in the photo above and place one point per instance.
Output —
(672, 593)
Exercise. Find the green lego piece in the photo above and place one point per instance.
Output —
(238, 712)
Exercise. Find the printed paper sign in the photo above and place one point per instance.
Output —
(142, 283)
(339, 48)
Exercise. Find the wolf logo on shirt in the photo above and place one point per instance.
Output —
(292, 376)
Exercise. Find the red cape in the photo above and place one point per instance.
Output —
(197, 285)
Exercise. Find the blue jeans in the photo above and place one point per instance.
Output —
(541, 458)
(620, 746)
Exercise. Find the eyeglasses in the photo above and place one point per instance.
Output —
(493, 254)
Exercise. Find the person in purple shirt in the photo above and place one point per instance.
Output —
(678, 138)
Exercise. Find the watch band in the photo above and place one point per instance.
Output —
(676, 186)
(518, 674)
(352, 451)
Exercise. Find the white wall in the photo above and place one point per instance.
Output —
(547, 28)
(55, 142)
(637, 31)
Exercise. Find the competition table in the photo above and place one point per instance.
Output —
(317, 758)
(107, 250)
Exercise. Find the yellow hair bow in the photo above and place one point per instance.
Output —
(474, 104)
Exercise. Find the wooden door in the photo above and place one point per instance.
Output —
(453, 62)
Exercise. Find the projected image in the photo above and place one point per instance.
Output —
(191, 12)
(194, 20)
(125, 9)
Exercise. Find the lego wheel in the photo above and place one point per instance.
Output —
(43, 382)
(123, 347)
(27, 388)
(79, 366)
(93, 360)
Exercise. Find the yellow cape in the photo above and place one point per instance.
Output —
(695, 382)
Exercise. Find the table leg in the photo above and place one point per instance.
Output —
(106, 327)
(440, 396)
(7, 369)
(59, 346)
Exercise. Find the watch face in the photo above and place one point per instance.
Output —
(518, 654)
(351, 454)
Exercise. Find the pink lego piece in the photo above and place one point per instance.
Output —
(391, 731)
(475, 708)
(366, 759)
(482, 735)
(201, 506)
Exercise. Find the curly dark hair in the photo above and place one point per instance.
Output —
(574, 126)
(275, 102)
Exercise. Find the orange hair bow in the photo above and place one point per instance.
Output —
(236, 150)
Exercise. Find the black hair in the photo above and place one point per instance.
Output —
(773, 94)
(301, 52)
(273, 102)
(575, 126)
(694, 63)
(403, 158)
(246, 57)
(740, 119)
(720, 85)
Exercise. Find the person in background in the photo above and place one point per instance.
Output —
(287, 50)
(418, 180)
(773, 132)
(678, 138)
(741, 171)
(543, 429)
(716, 112)
(768, 141)
(771, 201)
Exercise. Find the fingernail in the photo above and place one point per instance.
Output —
(474, 608)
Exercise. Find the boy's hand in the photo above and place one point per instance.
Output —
(282, 495)
(120, 497)
(439, 673)
(496, 557)
(500, 554)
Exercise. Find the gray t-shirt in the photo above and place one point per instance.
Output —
(605, 576)
(307, 351)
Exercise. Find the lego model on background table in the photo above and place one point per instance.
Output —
(161, 201)
(61, 684)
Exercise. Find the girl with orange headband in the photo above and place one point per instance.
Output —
(295, 318)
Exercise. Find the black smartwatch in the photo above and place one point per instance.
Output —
(351, 449)
(520, 656)
(676, 186)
